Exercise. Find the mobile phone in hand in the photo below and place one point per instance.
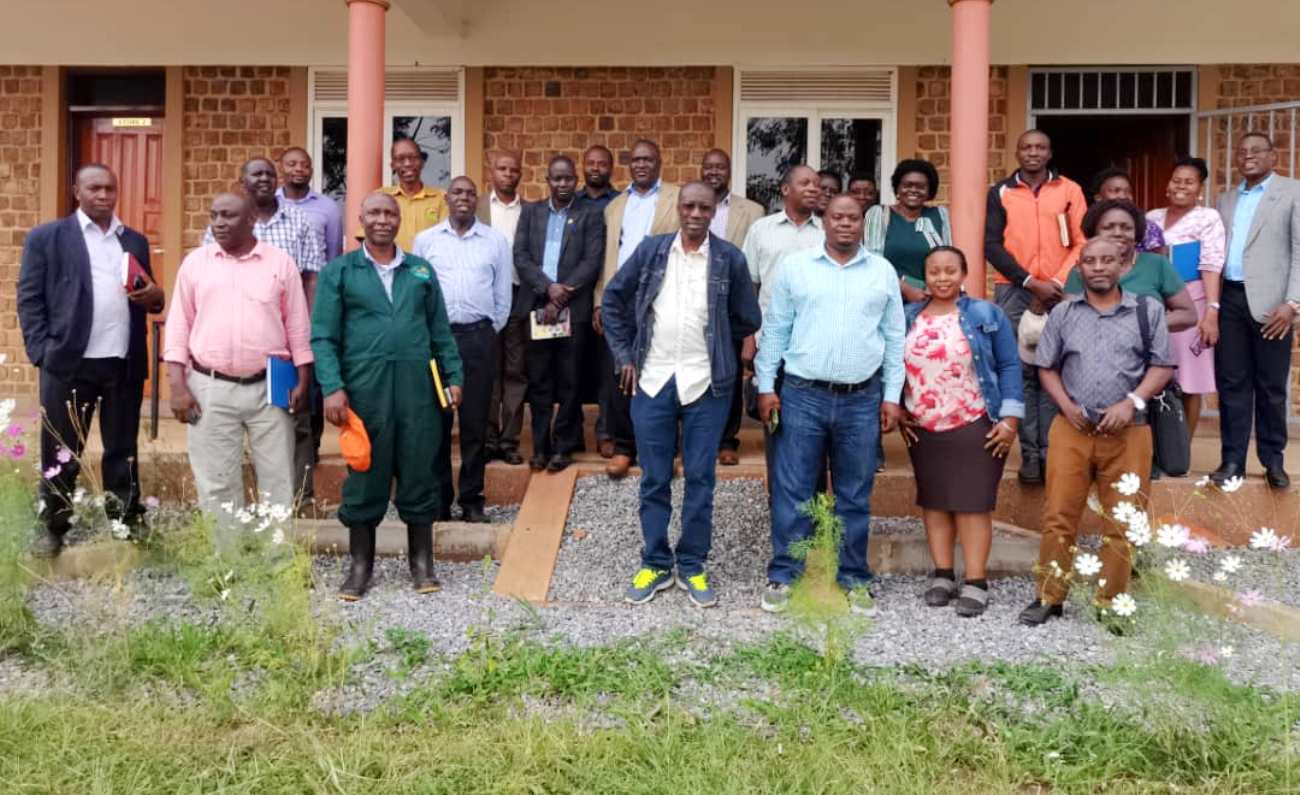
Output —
(774, 421)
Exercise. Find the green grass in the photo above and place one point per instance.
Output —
(227, 707)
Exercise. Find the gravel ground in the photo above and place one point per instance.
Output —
(1273, 576)
(599, 552)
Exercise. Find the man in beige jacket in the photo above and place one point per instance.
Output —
(731, 222)
(648, 207)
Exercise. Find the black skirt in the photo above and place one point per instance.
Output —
(953, 470)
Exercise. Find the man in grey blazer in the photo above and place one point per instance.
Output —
(1261, 296)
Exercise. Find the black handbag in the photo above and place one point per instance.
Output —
(1170, 441)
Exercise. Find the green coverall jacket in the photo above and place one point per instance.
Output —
(378, 351)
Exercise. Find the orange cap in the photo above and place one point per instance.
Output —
(354, 443)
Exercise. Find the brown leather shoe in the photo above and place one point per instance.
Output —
(728, 458)
(605, 448)
(618, 466)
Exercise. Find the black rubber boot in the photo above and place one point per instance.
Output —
(419, 550)
(361, 544)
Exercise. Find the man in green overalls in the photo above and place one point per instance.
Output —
(378, 321)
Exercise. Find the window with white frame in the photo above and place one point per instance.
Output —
(840, 120)
(426, 105)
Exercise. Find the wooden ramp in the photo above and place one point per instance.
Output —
(535, 541)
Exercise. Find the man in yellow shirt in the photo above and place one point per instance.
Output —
(422, 206)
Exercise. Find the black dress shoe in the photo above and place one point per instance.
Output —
(1277, 478)
(1031, 471)
(1038, 613)
(537, 463)
(512, 457)
(474, 515)
(559, 462)
(491, 453)
(1227, 472)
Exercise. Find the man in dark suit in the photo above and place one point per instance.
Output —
(86, 333)
(558, 254)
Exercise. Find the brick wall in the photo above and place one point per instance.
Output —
(20, 172)
(541, 112)
(231, 114)
(933, 118)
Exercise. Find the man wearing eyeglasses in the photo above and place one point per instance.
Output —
(1260, 299)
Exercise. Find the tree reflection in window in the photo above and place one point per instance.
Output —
(774, 144)
(433, 135)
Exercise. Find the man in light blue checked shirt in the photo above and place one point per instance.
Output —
(473, 265)
(836, 322)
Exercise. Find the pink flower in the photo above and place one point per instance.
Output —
(18, 451)
(1250, 598)
(152, 503)
(64, 455)
(1198, 546)
(1205, 655)
(53, 472)
(15, 430)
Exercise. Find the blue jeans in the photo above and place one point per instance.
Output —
(815, 422)
(655, 420)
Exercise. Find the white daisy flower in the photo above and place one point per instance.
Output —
(228, 507)
(1123, 605)
(1124, 511)
(1139, 537)
(1231, 564)
(278, 536)
(1227, 651)
(1263, 538)
(1177, 570)
(1087, 564)
(1220, 576)
(119, 530)
(1232, 484)
(244, 516)
(1172, 535)
(1128, 484)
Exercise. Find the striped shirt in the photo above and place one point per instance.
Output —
(290, 230)
(473, 271)
(832, 322)
(325, 213)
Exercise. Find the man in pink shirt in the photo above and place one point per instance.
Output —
(236, 302)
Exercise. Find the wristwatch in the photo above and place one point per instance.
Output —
(1138, 402)
(1295, 306)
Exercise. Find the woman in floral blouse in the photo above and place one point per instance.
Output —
(964, 401)
(1186, 220)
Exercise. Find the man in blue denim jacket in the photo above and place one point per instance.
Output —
(674, 314)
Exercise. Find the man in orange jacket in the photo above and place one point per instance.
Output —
(1032, 237)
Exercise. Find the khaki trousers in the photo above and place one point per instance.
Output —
(216, 448)
(1078, 460)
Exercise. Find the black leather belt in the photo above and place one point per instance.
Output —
(234, 379)
(476, 325)
(833, 387)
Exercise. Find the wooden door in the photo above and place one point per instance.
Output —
(133, 149)
(1144, 146)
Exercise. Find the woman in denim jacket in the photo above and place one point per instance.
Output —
(964, 401)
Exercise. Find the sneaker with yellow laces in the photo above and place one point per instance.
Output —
(646, 583)
(697, 588)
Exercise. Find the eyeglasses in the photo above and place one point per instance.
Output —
(1253, 152)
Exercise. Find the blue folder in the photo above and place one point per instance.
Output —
(281, 379)
(1187, 260)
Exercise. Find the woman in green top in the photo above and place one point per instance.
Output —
(1144, 273)
(905, 232)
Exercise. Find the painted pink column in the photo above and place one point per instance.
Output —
(365, 107)
(970, 132)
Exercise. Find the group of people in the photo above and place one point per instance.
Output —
(847, 319)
